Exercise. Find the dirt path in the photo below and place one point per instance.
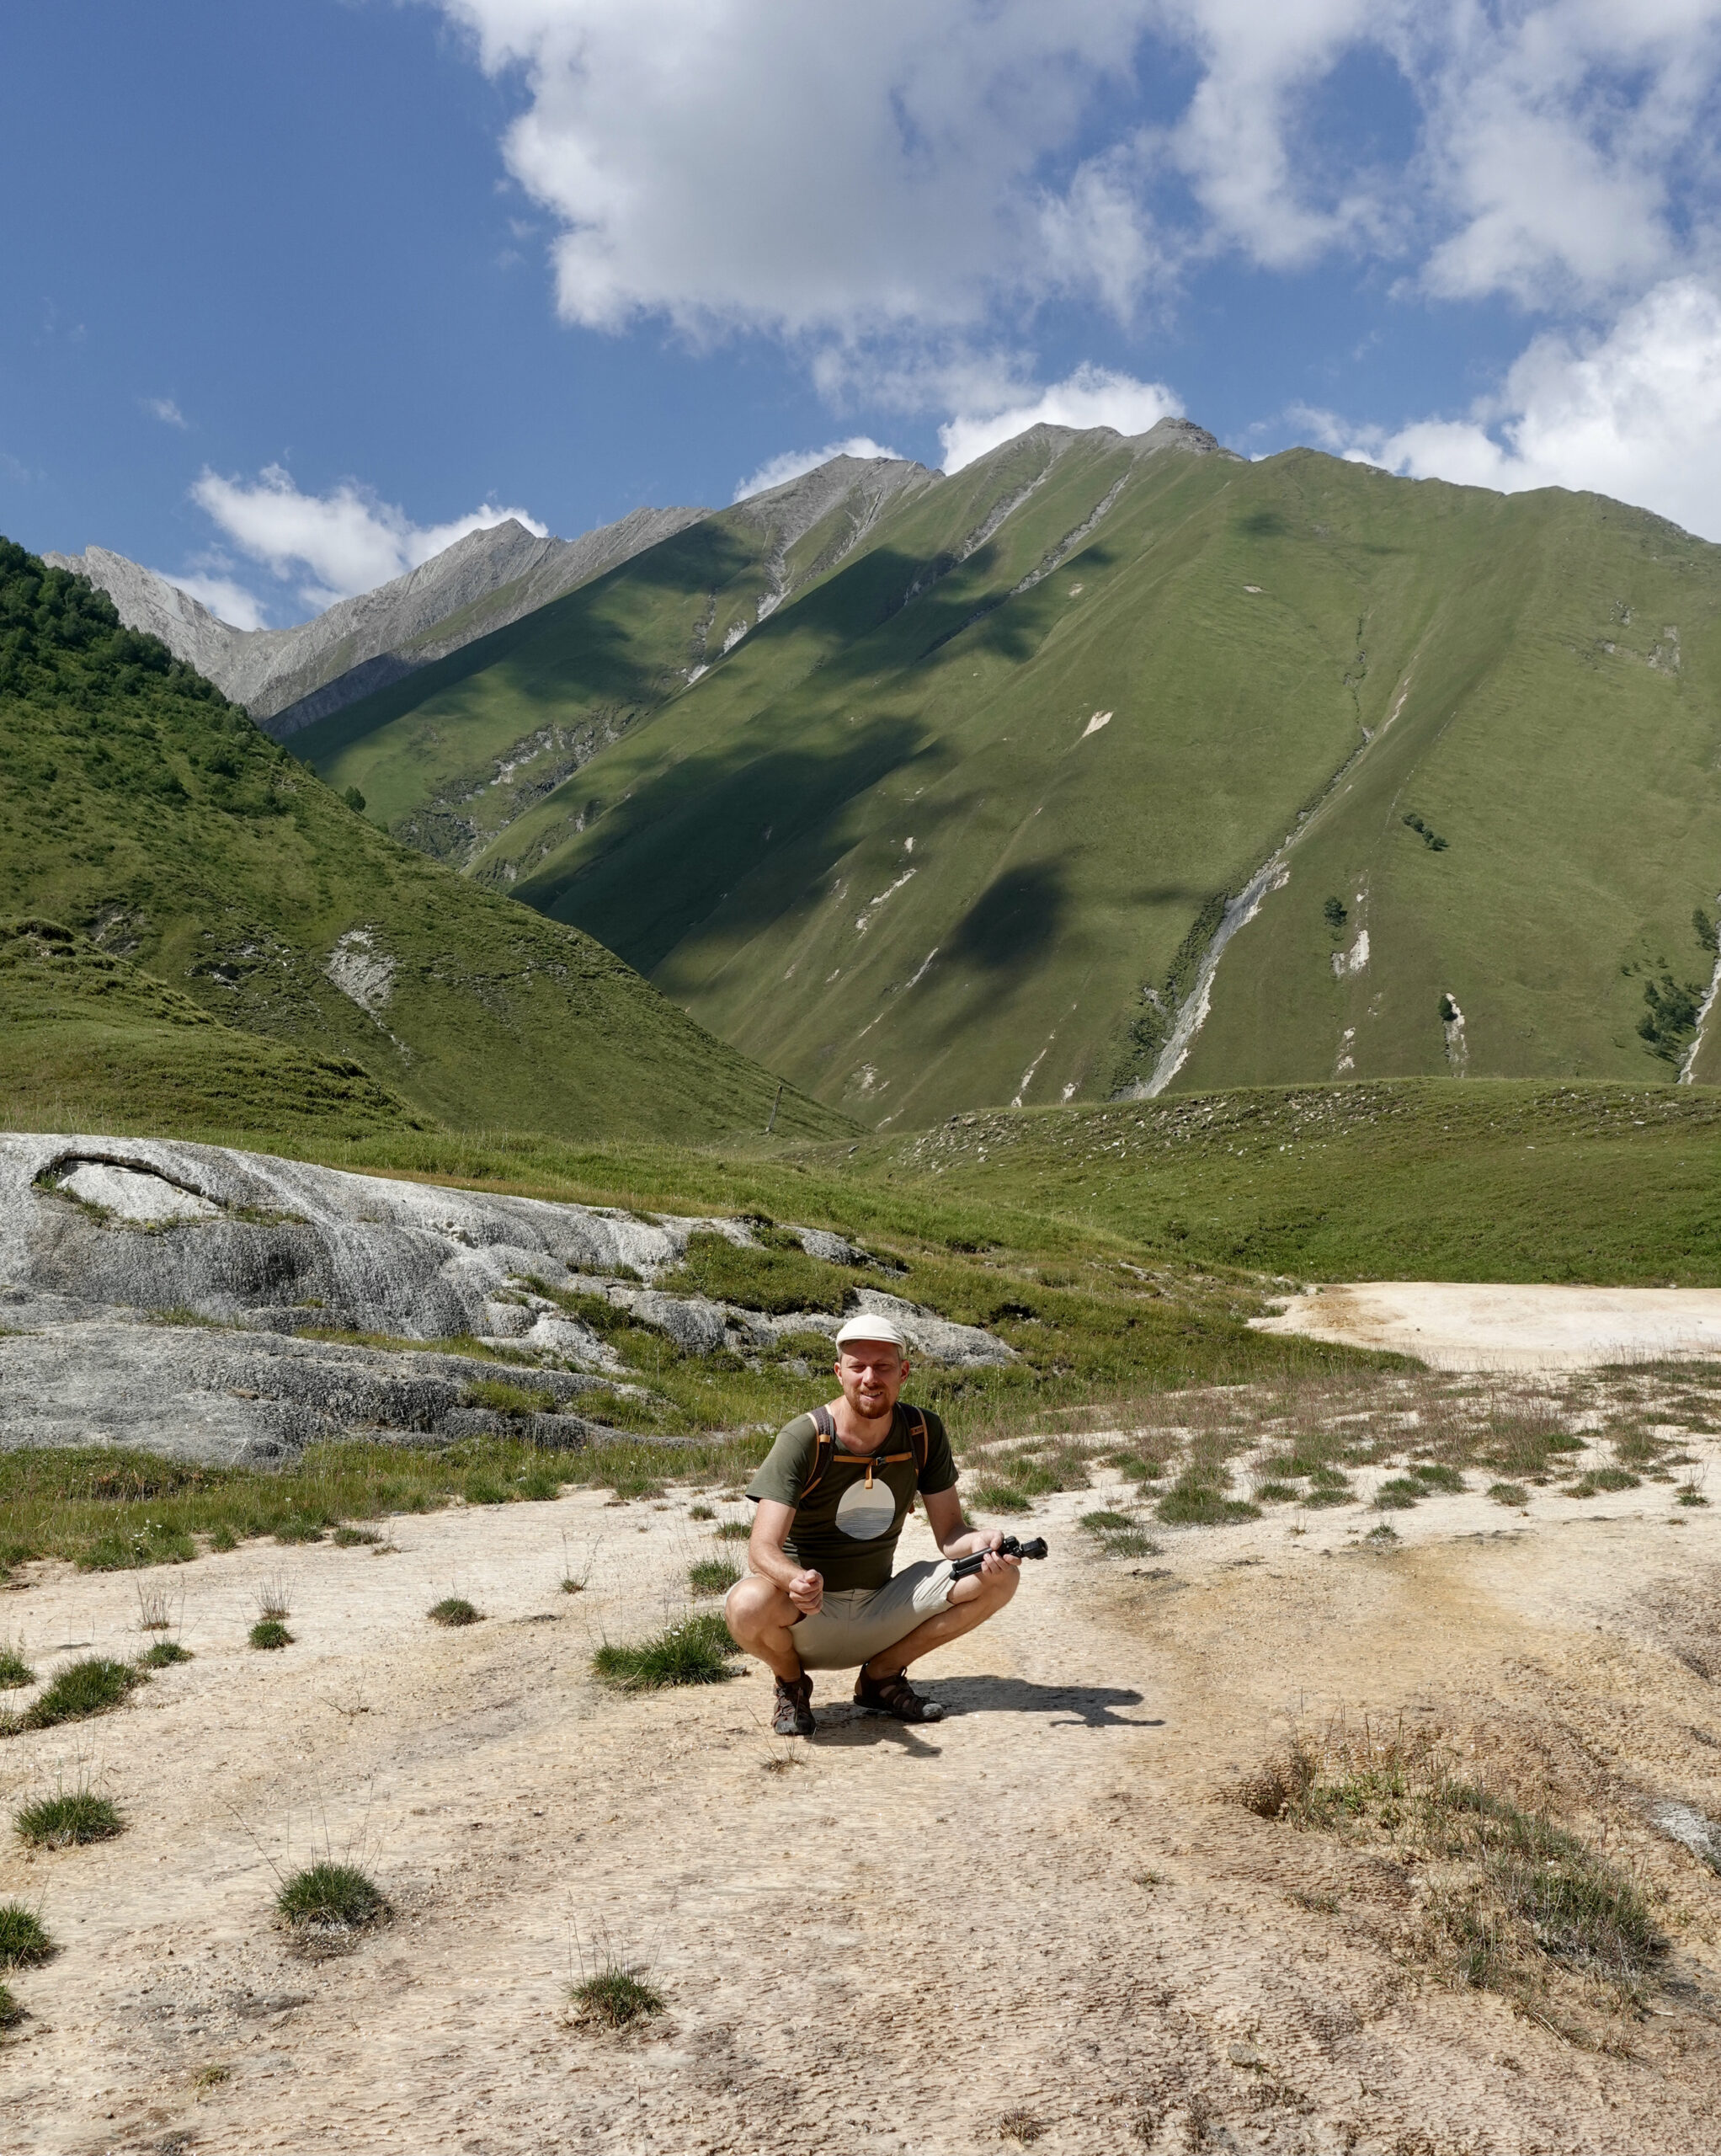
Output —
(883, 1940)
(1467, 1326)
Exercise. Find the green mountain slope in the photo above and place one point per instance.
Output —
(137, 804)
(1108, 764)
(88, 1041)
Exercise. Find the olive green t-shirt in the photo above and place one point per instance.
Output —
(845, 1530)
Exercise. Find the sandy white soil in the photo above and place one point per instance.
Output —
(885, 1939)
(1481, 1326)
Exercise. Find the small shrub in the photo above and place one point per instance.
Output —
(356, 1538)
(712, 1575)
(162, 1654)
(455, 1610)
(15, 1671)
(694, 1652)
(56, 1823)
(735, 1530)
(1509, 1493)
(270, 1633)
(1399, 1494)
(23, 1943)
(332, 1896)
(617, 1997)
(90, 1687)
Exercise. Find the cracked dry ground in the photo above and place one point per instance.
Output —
(1043, 1908)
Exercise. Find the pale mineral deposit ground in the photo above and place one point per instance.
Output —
(1486, 1326)
(1046, 1913)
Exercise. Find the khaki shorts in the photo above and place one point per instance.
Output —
(859, 1622)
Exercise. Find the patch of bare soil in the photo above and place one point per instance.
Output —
(1469, 1325)
(1047, 1920)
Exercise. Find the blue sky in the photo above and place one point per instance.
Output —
(297, 290)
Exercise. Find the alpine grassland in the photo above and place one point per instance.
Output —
(140, 809)
(1407, 1179)
(978, 813)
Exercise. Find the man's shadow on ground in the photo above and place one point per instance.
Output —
(1068, 1706)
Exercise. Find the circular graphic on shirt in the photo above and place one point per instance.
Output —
(867, 1514)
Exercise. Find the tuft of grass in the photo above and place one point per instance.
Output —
(1021, 2127)
(1509, 1493)
(696, 1651)
(273, 1600)
(23, 1943)
(712, 1575)
(269, 1633)
(700, 1511)
(73, 1815)
(1101, 1523)
(1383, 1536)
(1399, 1494)
(1690, 1491)
(1277, 1493)
(94, 1686)
(1129, 1542)
(1597, 1480)
(1520, 1895)
(15, 1672)
(331, 1897)
(11, 2013)
(1190, 1503)
(356, 1538)
(735, 1530)
(501, 1398)
(163, 1654)
(155, 1608)
(1434, 1476)
(211, 2077)
(455, 1610)
(618, 1998)
(999, 1497)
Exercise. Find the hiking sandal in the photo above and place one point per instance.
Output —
(793, 1714)
(895, 1695)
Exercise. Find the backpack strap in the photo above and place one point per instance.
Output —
(824, 1445)
(919, 1439)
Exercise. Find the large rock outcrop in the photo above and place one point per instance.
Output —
(172, 1296)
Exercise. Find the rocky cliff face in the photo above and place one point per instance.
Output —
(286, 678)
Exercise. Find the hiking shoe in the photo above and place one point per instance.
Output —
(793, 1716)
(895, 1695)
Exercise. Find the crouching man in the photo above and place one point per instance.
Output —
(833, 1494)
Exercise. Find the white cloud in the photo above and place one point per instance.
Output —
(778, 471)
(166, 410)
(1092, 397)
(1635, 413)
(896, 170)
(804, 169)
(347, 540)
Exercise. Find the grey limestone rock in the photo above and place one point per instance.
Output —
(162, 1294)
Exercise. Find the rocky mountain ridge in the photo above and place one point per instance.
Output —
(288, 678)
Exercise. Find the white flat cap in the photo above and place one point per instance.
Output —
(869, 1326)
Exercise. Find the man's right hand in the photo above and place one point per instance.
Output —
(807, 1593)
